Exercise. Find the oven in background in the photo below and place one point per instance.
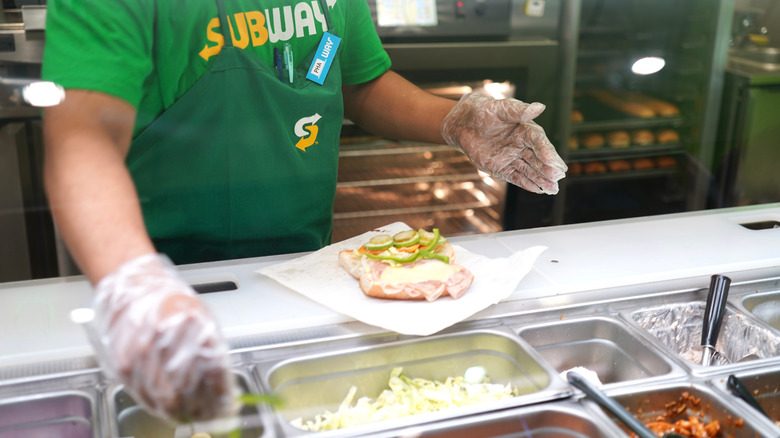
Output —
(516, 54)
(423, 185)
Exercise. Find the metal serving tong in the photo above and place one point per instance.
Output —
(614, 407)
(713, 317)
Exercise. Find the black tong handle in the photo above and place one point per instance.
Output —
(713, 312)
(740, 390)
(610, 404)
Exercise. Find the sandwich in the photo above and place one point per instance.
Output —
(411, 265)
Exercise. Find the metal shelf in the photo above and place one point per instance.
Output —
(450, 223)
(623, 175)
(423, 185)
(629, 123)
(601, 117)
(606, 152)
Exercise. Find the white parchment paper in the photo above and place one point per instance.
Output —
(319, 277)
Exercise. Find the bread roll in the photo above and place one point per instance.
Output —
(642, 163)
(576, 116)
(618, 165)
(574, 142)
(666, 161)
(574, 169)
(666, 136)
(592, 140)
(594, 167)
(642, 137)
(618, 139)
(660, 107)
(611, 100)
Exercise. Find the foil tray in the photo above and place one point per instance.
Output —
(678, 327)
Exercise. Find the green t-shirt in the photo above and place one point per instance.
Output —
(150, 52)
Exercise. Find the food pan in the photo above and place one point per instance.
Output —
(562, 419)
(684, 402)
(67, 414)
(130, 420)
(312, 385)
(63, 405)
(764, 385)
(678, 327)
(765, 307)
(600, 344)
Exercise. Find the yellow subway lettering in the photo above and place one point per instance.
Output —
(243, 35)
(277, 24)
(257, 30)
(215, 37)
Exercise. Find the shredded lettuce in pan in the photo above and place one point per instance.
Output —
(406, 397)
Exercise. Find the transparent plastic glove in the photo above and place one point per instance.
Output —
(155, 335)
(501, 138)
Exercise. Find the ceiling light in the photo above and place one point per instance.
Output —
(648, 65)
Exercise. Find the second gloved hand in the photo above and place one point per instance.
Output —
(501, 138)
(158, 338)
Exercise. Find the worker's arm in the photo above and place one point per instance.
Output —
(392, 107)
(152, 332)
(498, 135)
(90, 191)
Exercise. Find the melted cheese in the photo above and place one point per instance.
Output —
(417, 273)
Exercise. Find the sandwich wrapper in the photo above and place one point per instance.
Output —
(319, 277)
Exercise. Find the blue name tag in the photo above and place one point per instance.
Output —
(320, 66)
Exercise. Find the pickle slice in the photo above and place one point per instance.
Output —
(426, 237)
(406, 238)
(378, 243)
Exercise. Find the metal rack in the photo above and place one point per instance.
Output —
(423, 185)
(690, 37)
(530, 60)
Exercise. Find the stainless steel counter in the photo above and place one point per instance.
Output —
(761, 65)
(583, 304)
(584, 262)
(28, 48)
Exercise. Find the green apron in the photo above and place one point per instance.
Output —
(218, 173)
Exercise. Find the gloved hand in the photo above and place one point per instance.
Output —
(501, 138)
(158, 338)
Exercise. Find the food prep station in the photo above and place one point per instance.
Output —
(621, 298)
